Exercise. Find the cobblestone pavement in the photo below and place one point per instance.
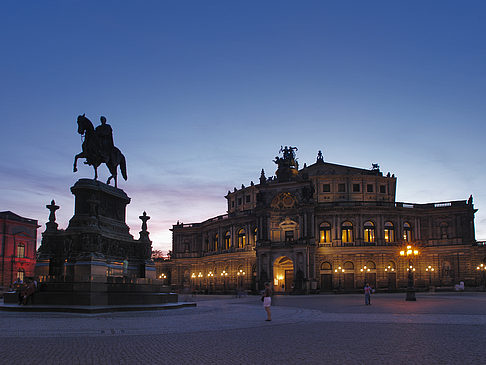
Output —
(320, 329)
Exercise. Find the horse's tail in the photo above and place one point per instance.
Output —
(123, 166)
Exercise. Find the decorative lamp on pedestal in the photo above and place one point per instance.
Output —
(409, 253)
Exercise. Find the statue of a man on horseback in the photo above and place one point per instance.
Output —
(105, 138)
(98, 148)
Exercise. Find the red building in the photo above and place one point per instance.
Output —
(18, 237)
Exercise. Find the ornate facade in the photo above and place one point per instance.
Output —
(19, 240)
(325, 227)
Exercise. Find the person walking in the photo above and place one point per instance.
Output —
(367, 292)
(267, 301)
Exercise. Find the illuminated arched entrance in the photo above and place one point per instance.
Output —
(283, 274)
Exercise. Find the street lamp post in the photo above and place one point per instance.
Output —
(391, 284)
(200, 275)
(339, 270)
(482, 269)
(163, 277)
(365, 270)
(409, 253)
(240, 277)
(224, 275)
(430, 269)
(210, 276)
(193, 286)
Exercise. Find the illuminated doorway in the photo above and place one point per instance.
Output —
(283, 274)
(326, 276)
(390, 270)
(348, 275)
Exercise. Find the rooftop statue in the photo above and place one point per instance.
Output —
(288, 166)
(98, 148)
(288, 160)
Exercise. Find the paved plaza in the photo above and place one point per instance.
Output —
(439, 328)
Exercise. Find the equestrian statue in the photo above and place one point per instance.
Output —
(98, 148)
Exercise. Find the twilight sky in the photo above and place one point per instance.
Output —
(202, 94)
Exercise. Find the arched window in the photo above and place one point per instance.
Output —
(347, 232)
(241, 238)
(348, 266)
(407, 232)
(326, 266)
(389, 232)
(227, 240)
(369, 232)
(21, 250)
(371, 265)
(325, 233)
(215, 242)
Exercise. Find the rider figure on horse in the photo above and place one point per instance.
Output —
(105, 138)
(98, 148)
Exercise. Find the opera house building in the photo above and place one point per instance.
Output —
(325, 227)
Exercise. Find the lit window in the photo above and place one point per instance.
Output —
(347, 232)
(227, 240)
(407, 232)
(215, 242)
(369, 232)
(255, 235)
(20, 274)
(21, 250)
(325, 233)
(389, 232)
(241, 238)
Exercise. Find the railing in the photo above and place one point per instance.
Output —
(231, 250)
(456, 203)
(192, 225)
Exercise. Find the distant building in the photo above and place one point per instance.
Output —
(325, 227)
(18, 247)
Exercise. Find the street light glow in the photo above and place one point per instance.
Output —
(410, 252)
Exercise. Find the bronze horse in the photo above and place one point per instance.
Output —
(93, 154)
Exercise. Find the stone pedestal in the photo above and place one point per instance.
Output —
(99, 208)
(82, 263)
